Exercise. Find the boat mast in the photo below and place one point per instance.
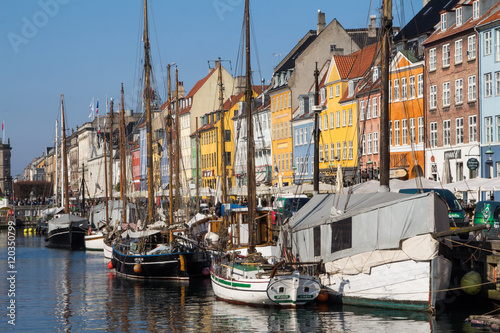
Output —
(57, 164)
(197, 168)
(222, 136)
(170, 157)
(65, 160)
(250, 145)
(147, 95)
(384, 81)
(106, 198)
(123, 169)
(111, 144)
(177, 145)
(317, 110)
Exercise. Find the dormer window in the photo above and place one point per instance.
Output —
(323, 95)
(351, 88)
(376, 73)
(458, 14)
(475, 10)
(443, 22)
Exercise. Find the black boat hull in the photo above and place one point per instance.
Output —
(171, 266)
(67, 238)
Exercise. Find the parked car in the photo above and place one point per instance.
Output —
(456, 214)
(488, 212)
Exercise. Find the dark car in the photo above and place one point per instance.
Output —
(456, 213)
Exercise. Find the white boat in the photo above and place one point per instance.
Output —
(378, 249)
(94, 241)
(108, 250)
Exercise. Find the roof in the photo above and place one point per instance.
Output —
(289, 61)
(494, 17)
(425, 20)
(453, 30)
(200, 83)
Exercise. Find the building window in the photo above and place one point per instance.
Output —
(363, 145)
(349, 113)
(337, 90)
(286, 159)
(458, 51)
(488, 89)
(413, 132)
(459, 91)
(396, 132)
(447, 132)
(350, 150)
(443, 22)
(497, 83)
(420, 85)
(338, 119)
(344, 118)
(331, 91)
(412, 86)
(497, 45)
(304, 135)
(326, 152)
(362, 110)
(404, 125)
(396, 90)
(458, 14)
(369, 144)
(488, 129)
(433, 97)
(471, 47)
(472, 128)
(434, 134)
(301, 131)
(471, 91)
(375, 142)
(446, 55)
(446, 94)
(375, 74)
(338, 150)
(390, 132)
(344, 152)
(432, 59)
(390, 91)
(420, 129)
(325, 118)
(331, 121)
(368, 109)
(487, 42)
(332, 151)
(498, 128)
(351, 88)
(296, 137)
(459, 122)
(475, 10)
(375, 107)
(289, 100)
(404, 89)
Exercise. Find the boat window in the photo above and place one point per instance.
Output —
(317, 241)
(281, 290)
(306, 289)
(341, 235)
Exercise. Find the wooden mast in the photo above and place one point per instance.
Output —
(111, 144)
(177, 144)
(251, 192)
(64, 158)
(317, 110)
(106, 198)
(123, 169)
(147, 95)
(170, 157)
(384, 81)
(197, 169)
(222, 136)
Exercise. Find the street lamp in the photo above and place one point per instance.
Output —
(489, 160)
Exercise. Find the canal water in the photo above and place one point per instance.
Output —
(63, 291)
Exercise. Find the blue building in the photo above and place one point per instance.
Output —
(303, 140)
(489, 93)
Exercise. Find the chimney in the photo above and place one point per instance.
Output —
(372, 29)
(239, 84)
(321, 22)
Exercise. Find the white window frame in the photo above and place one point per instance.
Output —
(404, 131)
(362, 110)
(374, 107)
(497, 83)
(487, 42)
(344, 118)
(396, 133)
(404, 89)
(446, 132)
(369, 144)
(488, 85)
(459, 130)
(458, 15)
(420, 129)
(396, 90)
(413, 133)
(458, 51)
(375, 142)
(443, 22)
(459, 91)
(433, 97)
(337, 90)
(344, 150)
(433, 134)
(446, 55)
(473, 128)
(432, 59)
(488, 129)
(471, 47)
(349, 117)
(363, 145)
(337, 123)
(420, 85)
(446, 94)
(471, 90)
(332, 123)
(350, 150)
(475, 10)
(412, 87)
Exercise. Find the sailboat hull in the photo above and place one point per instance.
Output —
(108, 250)
(176, 266)
(67, 238)
(94, 242)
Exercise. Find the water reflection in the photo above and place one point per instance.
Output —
(65, 291)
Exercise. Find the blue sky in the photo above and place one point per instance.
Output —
(86, 49)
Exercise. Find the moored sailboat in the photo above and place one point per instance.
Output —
(240, 274)
(156, 253)
(66, 230)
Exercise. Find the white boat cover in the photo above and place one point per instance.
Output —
(65, 220)
(379, 222)
(139, 234)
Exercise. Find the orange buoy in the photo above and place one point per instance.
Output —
(138, 268)
(323, 296)
(110, 265)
